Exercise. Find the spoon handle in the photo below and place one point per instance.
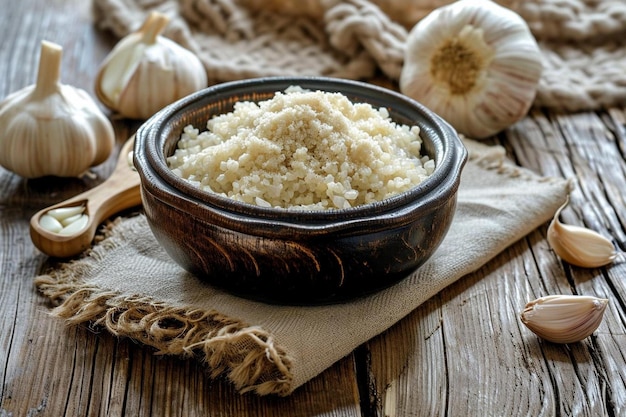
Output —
(119, 192)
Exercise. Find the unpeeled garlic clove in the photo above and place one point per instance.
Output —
(475, 63)
(578, 245)
(146, 71)
(564, 318)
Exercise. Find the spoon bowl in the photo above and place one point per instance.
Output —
(118, 192)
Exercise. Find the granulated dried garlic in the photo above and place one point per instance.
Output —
(475, 63)
(64, 220)
(564, 318)
(579, 246)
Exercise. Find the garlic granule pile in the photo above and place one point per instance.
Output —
(303, 150)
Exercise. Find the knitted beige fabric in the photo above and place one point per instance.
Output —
(129, 285)
(583, 41)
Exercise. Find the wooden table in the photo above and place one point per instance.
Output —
(464, 352)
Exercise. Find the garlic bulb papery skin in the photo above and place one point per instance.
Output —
(579, 246)
(146, 71)
(475, 63)
(50, 128)
(564, 318)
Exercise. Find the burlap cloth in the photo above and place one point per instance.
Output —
(127, 283)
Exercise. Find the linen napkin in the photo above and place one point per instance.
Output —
(128, 285)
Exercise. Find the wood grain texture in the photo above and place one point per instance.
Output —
(48, 369)
(490, 361)
(463, 352)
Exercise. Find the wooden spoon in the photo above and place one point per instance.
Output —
(119, 192)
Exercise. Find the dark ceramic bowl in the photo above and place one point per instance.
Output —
(288, 257)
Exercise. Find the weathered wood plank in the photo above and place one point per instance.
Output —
(464, 352)
(48, 369)
(470, 335)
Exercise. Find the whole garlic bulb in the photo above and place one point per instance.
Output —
(475, 63)
(49, 128)
(146, 71)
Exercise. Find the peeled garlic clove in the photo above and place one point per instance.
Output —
(63, 213)
(564, 318)
(129, 160)
(64, 220)
(75, 226)
(475, 63)
(67, 221)
(146, 71)
(51, 224)
(51, 128)
(579, 246)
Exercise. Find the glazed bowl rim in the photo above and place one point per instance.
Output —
(150, 160)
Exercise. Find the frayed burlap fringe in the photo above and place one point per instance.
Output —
(247, 355)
